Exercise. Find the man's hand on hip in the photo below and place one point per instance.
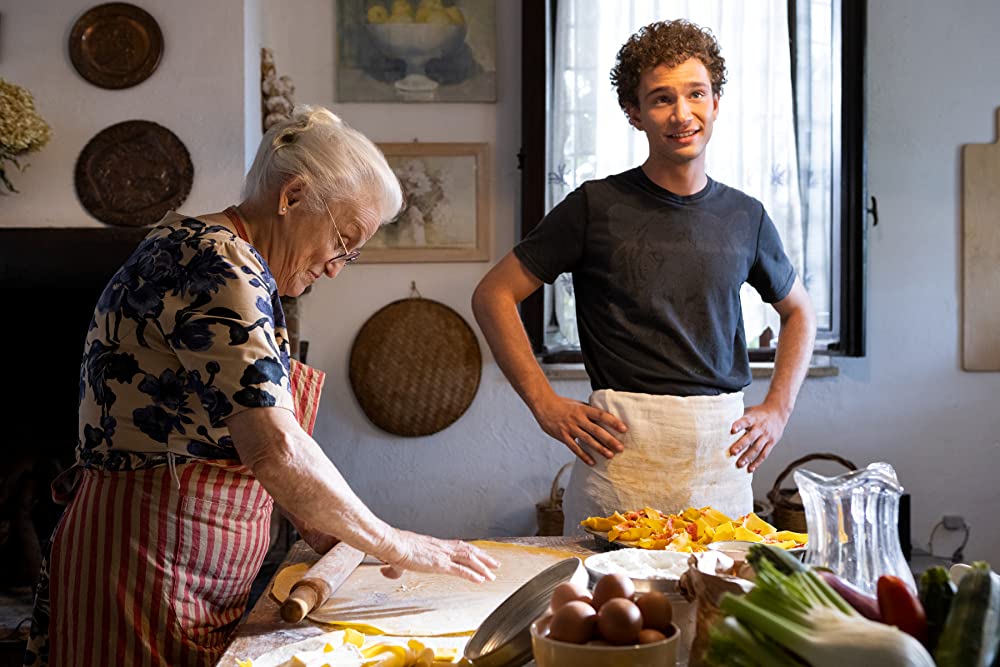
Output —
(574, 424)
(763, 427)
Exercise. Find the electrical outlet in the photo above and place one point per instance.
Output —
(953, 521)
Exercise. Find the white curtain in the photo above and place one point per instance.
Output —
(753, 144)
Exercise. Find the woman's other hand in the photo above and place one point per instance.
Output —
(421, 553)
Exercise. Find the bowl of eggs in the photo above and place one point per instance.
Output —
(614, 625)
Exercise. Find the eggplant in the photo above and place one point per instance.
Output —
(865, 605)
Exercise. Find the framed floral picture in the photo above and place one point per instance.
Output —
(446, 215)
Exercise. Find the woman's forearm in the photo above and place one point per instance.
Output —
(299, 476)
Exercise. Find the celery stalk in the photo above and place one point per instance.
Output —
(792, 615)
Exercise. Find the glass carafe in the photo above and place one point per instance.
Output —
(853, 522)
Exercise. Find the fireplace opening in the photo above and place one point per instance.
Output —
(50, 280)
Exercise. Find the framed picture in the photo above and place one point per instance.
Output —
(446, 215)
(416, 51)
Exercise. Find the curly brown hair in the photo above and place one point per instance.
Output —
(667, 43)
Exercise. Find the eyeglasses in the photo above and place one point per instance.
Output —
(349, 256)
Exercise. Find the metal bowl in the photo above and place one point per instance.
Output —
(504, 638)
(602, 564)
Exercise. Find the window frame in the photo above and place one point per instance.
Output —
(538, 27)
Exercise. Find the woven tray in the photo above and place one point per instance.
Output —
(415, 367)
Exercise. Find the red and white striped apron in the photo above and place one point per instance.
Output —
(154, 566)
(149, 570)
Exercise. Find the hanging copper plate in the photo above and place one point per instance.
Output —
(132, 173)
(115, 45)
(415, 367)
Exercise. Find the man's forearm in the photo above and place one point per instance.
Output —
(791, 360)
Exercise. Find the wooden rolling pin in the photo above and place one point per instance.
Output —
(321, 581)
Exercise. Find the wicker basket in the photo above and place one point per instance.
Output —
(549, 512)
(415, 367)
(788, 513)
(763, 509)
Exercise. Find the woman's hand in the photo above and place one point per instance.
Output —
(574, 424)
(421, 553)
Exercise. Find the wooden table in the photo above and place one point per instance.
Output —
(263, 630)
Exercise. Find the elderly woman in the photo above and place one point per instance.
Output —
(188, 404)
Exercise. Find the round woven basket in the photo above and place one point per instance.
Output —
(788, 513)
(415, 367)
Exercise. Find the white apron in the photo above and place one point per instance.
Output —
(676, 456)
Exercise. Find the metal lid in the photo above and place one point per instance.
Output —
(504, 638)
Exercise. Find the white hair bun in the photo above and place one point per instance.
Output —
(312, 112)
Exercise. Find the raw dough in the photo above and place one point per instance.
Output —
(281, 587)
(428, 604)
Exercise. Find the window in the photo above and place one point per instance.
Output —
(793, 139)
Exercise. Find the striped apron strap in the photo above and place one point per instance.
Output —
(307, 385)
(146, 573)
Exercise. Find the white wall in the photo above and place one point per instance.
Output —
(931, 89)
(908, 402)
(196, 92)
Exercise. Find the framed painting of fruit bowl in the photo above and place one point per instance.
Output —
(416, 51)
(446, 215)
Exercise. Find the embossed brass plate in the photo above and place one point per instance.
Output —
(132, 173)
(115, 45)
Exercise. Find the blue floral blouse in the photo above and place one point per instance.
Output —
(188, 332)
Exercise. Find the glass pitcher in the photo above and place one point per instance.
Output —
(853, 522)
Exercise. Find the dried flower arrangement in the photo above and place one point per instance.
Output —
(22, 130)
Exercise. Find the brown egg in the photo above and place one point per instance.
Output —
(619, 621)
(656, 611)
(612, 586)
(567, 592)
(650, 636)
(573, 623)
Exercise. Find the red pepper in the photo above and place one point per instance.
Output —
(901, 608)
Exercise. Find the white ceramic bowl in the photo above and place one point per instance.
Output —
(552, 653)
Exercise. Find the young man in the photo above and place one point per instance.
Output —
(658, 254)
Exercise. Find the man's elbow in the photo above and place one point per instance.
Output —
(805, 313)
(484, 298)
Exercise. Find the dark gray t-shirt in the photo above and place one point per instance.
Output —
(657, 280)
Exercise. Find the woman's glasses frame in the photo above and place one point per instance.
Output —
(348, 256)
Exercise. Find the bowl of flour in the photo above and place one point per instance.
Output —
(649, 570)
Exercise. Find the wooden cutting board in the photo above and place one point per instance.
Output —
(981, 254)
